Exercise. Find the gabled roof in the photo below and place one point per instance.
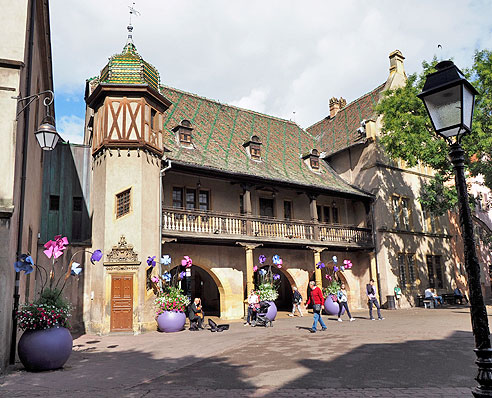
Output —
(220, 130)
(339, 132)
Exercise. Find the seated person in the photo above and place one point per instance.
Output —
(196, 315)
(429, 294)
(459, 296)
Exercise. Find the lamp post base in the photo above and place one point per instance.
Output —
(484, 376)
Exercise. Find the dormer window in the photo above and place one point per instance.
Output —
(183, 131)
(253, 146)
(312, 160)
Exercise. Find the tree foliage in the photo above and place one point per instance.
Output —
(407, 132)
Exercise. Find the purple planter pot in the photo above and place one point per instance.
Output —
(331, 307)
(46, 349)
(272, 311)
(171, 321)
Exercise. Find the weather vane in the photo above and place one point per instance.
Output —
(133, 11)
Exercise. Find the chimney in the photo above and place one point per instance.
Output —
(334, 106)
(343, 103)
(396, 62)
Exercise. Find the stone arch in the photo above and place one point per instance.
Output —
(226, 292)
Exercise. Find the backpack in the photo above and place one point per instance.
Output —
(298, 297)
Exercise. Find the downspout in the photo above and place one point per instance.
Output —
(13, 342)
(375, 241)
(161, 174)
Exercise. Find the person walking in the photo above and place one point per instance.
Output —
(343, 303)
(316, 297)
(296, 301)
(371, 296)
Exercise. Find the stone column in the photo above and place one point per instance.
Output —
(249, 247)
(247, 206)
(317, 258)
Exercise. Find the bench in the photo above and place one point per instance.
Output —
(424, 302)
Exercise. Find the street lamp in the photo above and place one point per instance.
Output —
(46, 134)
(449, 100)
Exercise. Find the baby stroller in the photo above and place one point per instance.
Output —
(261, 319)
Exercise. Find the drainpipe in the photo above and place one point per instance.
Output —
(13, 341)
(161, 174)
(375, 241)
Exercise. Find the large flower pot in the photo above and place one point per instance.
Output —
(45, 349)
(171, 321)
(331, 307)
(272, 311)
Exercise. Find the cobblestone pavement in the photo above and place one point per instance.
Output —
(412, 353)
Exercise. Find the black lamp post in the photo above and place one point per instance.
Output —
(449, 100)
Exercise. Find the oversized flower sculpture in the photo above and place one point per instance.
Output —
(51, 308)
(268, 281)
(332, 277)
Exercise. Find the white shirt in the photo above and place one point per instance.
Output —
(253, 299)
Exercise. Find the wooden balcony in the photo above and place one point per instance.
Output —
(224, 226)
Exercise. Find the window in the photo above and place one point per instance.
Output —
(334, 213)
(254, 147)
(184, 131)
(266, 207)
(406, 270)
(177, 197)
(326, 214)
(54, 202)
(190, 199)
(203, 200)
(185, 136)
(149, 278)
(434, 271)
(401, 212)
(241, 204)
(123, 203)
(429, 221)
(287, 209)
(153, 114)
(77, 203)
(318, 210)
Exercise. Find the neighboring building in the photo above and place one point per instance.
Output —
(413, 247)
(25, 69)
(175, 173)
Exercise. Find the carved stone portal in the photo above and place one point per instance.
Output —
(122, 253)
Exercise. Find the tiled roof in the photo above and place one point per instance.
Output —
(220, 130)
(129, 68)
(340, 131)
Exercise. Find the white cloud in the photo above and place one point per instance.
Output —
(255, 100)
(303, 52)
(71, 128)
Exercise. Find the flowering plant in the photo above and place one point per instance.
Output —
(268, 281)
(169, 296)
(50, 309)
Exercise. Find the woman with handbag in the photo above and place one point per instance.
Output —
(316, 296)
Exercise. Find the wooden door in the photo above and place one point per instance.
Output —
(121, 303)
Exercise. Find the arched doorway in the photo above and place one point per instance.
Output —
(203, 285)
(284, 300)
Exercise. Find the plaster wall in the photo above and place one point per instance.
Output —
(113, 174)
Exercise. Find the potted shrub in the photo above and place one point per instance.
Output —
(171, 302)
(330, 292)
(46, 343)
(267, 288)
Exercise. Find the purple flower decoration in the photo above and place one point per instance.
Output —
(25, 264)
(276, 259)
(151, 261)
(335, 269)
(320, 265)
(262, 259)
(96, 256)
(276, 277)
(182, 275)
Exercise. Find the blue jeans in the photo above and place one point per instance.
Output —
(375, 302)
(317, 318)
(436, 300)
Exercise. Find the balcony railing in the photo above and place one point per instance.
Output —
(226, 225)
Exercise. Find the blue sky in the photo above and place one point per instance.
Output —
(276, 57)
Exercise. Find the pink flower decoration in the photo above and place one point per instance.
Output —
(255, 268)
(279, 266)
(155, 279)
(186, 261)
(54, 248)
